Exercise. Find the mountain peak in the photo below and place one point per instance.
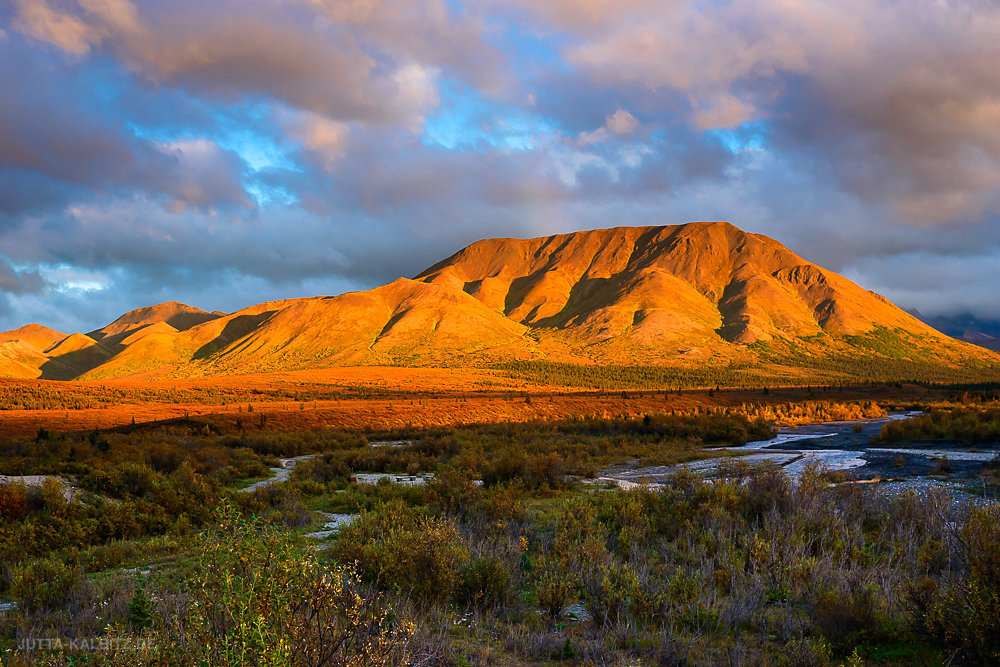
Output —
(690, 284)
(178, 315)
(36, 335)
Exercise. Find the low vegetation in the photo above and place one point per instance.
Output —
(509, 554)
(968, 424)
(888, 357)
(37, 395)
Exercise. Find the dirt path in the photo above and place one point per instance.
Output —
(280, 474)
(33, 481)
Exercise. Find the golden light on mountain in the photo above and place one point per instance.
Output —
(700, 294)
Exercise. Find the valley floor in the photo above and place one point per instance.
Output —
(372, 398)
(373, 517)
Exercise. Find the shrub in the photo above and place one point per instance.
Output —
(399, 548)
(140, 610)
(767, 488)
(122, 481)
(44, 584)
(510, 465)
(576, 523)
(503, 503)
(554, 586)
(486, 581)
(808, 653)
(13, 501)
(965, 614)
(842, 617)
(451, 491)
(258, 597)
(617, 593)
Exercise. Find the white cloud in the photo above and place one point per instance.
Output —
(69, 33)
(621, 122)
(319, 136)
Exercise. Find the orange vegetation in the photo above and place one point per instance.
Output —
(376, 398)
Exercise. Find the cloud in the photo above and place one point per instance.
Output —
(14, 281)
(363, 62)
(621, 122)
(321, 137)
(207, 175)
(226, 152)
(52, 152)
(899, 104)
(435, 33)
(69, 33)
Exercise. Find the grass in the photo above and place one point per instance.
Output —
(746, 569)
(243, 483)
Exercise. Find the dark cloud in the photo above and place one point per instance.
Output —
(60, 134)
(356, 61)
(15, 281)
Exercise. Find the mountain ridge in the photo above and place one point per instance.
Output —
(731, 270)
(966, 327)
(694, 294)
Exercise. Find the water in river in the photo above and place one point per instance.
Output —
(830, 435)
(833, 445)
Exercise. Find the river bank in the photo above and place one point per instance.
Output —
(846, 447)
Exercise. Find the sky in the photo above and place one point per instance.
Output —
(231, 152)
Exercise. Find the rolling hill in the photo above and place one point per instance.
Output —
(700, 295)
(967, 327)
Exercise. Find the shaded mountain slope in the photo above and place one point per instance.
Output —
(967, 327)
(73, 356)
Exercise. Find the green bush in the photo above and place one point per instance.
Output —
(452, 492)
(45, 584)
(618, 594)
(503, 503)
(404, 550)
(140, 610)
(486, 581)
(554, 586)
(258, 597)
(965, 614)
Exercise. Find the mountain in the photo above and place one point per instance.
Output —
(405, 321)
(700, 295)
(646, 287)
(178, 316)
(966, 327)
(37, 351)
(20, 360)
(36, 335)
(73, 356)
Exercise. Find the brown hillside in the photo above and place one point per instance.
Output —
(39, 336)
(158, 328)
(701, 295)
(21, 360)
(404, 322)
(167, 352)
(178, 315)
(699, 284)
